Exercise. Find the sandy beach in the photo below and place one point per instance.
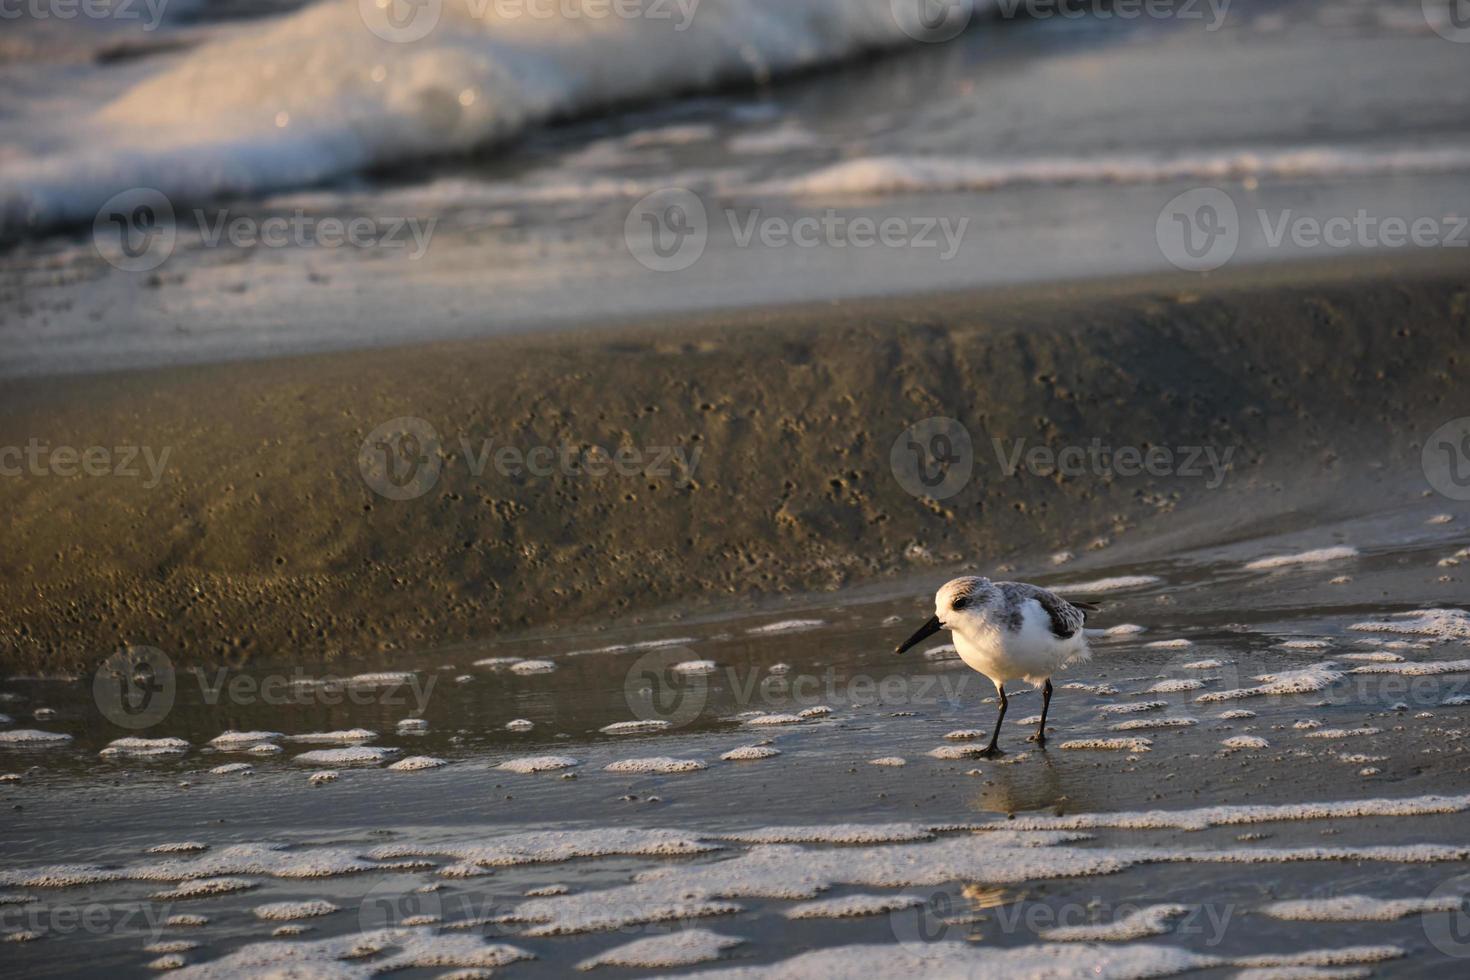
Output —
(468, 471)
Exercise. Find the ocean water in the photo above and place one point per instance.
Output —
(514, 171)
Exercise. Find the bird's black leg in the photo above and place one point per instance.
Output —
(1040, 737)
(992, 749)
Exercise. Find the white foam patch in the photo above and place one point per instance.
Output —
(944, 651)
(888, 760)
(1359, 908)
(1124, 629)
(656, 764)
(519, 725)
(1305, 645)
(411, 726)
(539, 763)
(1337, 733)
(1313, 557)
(532, 667)
(1242, 742)
(1039, 961)
(955, 752)
(787, 626)
(1203, 665)
(1307, 680)
(684, 947)
(323, 777)
(643, 645)
(1201, 818)
(1179, 644)
(1109, 744)
(30, 738)
(1429, 669)
(144, 747)
(1174, 686)
(350, 736)
(1116, 584)
(204, 888)
(635, 727)
(903, 174)
(185, 920)
(815, 711)
(495, 663)
(232, 768)
(966, 733)
(550, 846)
(1143, 724)
(382, 678)
(837, 833)
(774, 719)
(750, 753)
(285, 911)
(179, 847)
(417, 763)
(694, 667)
(1151, 920)
(1237, 714)
(338, 957)
(233, 741)
(1131, 707)
(1441, 624)
(357, 755)
(1375, 657)
(852, 906)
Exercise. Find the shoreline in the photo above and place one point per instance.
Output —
(264, 535)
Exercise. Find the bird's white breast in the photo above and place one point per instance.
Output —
(1033, 653)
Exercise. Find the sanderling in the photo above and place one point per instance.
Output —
(1009, 631)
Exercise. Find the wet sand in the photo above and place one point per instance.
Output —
(271, 510)
(1384, 753)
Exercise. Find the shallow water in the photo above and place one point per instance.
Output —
(71, 806)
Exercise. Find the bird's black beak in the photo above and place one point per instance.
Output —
(928, 629)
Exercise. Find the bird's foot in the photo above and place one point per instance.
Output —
(991, 751)
(1039, 738)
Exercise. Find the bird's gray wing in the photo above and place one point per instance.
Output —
(1066, 619)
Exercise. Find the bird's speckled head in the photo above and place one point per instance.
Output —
(958, 595)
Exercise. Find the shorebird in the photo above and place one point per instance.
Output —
(1009, 631)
